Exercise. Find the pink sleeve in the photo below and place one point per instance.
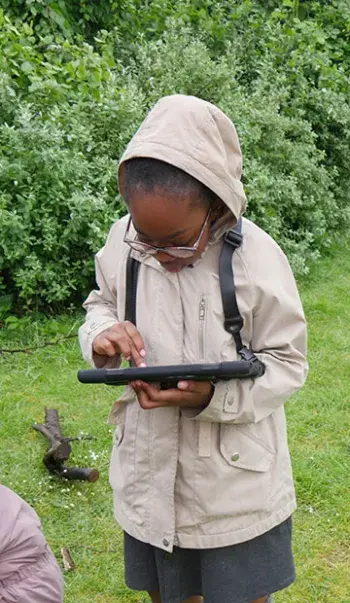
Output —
(28, 570)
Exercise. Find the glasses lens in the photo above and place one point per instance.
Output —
(141, 247)
(178, 253)
(174, 252)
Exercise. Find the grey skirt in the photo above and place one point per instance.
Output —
(233, 574)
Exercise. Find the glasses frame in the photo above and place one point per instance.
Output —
(142, 247)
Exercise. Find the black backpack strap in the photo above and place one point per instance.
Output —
(233, 321)
(132, 271)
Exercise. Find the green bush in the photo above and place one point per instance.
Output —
(68, 109)
(65, 119)
(67, 17)
(87, 17)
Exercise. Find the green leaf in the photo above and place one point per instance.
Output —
(27, 67)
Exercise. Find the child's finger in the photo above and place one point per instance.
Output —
(136, 338)
(166, 396)
(146, 402)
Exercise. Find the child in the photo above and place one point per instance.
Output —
(201, 473)
(28, 569)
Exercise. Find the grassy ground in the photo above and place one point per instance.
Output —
(79, 515)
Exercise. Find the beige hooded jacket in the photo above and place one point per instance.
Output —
(223, 475)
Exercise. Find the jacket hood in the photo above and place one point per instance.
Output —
(197, 137)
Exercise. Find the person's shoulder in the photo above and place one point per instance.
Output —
(21, 538)
(9, 501)
(12, 509)
(115, 239)
(260, 253)
(254, 236)
(117, 230)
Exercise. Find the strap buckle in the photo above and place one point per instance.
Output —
(233, 324)
(258, 367)
(234, 236)
(247, 354)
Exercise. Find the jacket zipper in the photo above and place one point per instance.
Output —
(202, 313)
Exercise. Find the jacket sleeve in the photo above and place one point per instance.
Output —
(278, 340)
(28, 569)
(101, 305)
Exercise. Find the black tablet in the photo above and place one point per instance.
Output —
(169, 375)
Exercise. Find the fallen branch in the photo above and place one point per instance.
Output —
(30, 350)
(60, 449)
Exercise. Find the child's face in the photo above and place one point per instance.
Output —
(168, 220)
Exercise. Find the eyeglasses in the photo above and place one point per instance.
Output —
(174, 251)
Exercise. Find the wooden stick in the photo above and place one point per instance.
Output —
(68, 562)
(36, 347)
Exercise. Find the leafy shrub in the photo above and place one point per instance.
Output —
(66, 17)
(88, 17)
(68, 109)
(57, 172)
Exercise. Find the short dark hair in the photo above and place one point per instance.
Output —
(146, 174)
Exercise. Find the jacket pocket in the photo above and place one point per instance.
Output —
(122, 470)
(241, 447)
(118, 410)
(118, 435)
(233, 486)
(117, 414)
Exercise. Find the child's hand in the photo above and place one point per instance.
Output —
(122, 338)
(192, 394)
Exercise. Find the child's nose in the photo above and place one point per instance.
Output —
(164, 258)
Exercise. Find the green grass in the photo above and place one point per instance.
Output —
(79, 515)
